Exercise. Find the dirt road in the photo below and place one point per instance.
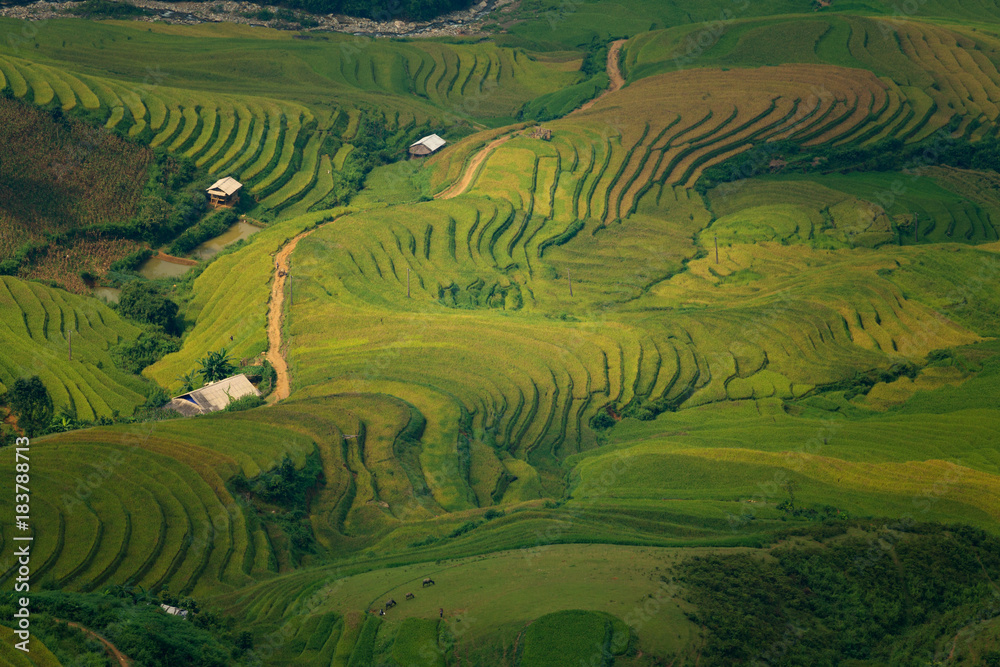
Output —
(112, 650)
(275, 317)
(614, 73)
(462, 184)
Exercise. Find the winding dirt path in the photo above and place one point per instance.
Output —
(275, 316)
(614, 73)
(462, 184)
(111, 649)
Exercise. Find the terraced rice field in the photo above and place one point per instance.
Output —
(36, 325)
(544, 364)
(388, 303)
(936, 73)
(148, 505)
(568, 345)
(232, 303)
(465, 80)
(271, 136)
(941, 205)
(39, 656)
(251, 138)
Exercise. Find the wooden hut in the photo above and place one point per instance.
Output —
(224, 192)
(424, 147)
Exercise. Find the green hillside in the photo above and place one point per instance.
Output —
(39, 323)
(701, 369)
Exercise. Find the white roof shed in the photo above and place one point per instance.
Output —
(225, 186)
(427, 145)
(213, 397)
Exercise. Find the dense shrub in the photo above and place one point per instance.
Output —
(30, 401)
(147, 349)
(142, 302)
(210, 227)
(136, 626)
(867, 597)
(246, 403)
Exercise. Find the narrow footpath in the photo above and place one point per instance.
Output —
(275, 313)
(614, 73)
(276, 317)
(462, 184)
(110, 648)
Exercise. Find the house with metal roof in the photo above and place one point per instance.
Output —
(224, 192)
(212, 397)
(174, 611)
(429, 144)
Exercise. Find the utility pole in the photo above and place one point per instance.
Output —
(569, 278)
(716, 248)
(407, 282)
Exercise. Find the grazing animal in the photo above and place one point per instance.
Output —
(428, 582)
(410, 596)
(390, 603)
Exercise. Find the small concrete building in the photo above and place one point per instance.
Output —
(429, 144)
(224, 192)
(212, 397)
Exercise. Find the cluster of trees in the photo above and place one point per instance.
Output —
(146, 350)
(286, 488)
(376, 144)
(143, 302)
(863, 381)
(30, 402)
(172, 201)
(846, 598)
(132, 620)
(210, 227)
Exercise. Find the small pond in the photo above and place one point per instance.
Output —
(154, 267)
(237, 232)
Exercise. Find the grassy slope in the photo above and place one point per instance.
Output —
(36, 321)
(332, 68)
(153, 507)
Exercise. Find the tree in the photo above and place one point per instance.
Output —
(187, 382)
(147, 349)
(244, 641)
(216, 366)
(30, 401)
(143, 303)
